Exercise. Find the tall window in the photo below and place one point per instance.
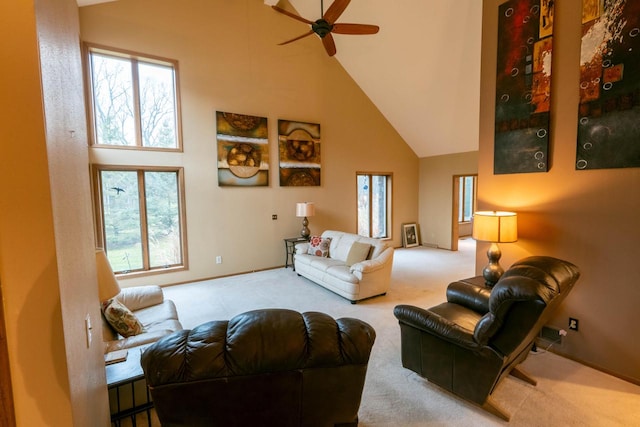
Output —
(134, 100)
(374, 204)
(141, 217)
(467, 194)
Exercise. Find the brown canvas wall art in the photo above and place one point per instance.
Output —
(243, 150)
(299, 148)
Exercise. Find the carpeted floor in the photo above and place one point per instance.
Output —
(567, 394)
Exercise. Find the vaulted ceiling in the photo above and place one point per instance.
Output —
(422, 70)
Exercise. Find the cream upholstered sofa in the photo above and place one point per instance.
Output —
(353, 271)
(157, 315)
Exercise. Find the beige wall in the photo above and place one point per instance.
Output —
(229, 61)
(65, 120)
(587, 217)
(436, 195)
(44, 256)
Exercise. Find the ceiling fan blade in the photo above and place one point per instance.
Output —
(355, 29)
(329, 44)
(297, 38)
(335, 10)
(291, 15)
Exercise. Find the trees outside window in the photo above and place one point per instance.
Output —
(374, 204)
(134, 100)
(142, 217)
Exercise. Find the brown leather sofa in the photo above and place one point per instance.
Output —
(469, 343)
(269, 367)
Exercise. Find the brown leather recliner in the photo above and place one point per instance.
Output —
(469, 343)
(270, 367)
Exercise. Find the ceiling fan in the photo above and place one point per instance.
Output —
(326, 25)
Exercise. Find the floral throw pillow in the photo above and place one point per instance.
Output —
(121, 318)
(319, 246)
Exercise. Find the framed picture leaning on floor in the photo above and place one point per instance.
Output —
(409, 235)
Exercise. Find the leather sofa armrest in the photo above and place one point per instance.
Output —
(302, 248)
(434, 324)
(369, 265)
(139, 297)
(473, 297)
(134, 340)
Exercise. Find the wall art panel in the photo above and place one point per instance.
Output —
(243, 150)
(609, 110)
(523, 86)
(299, 147)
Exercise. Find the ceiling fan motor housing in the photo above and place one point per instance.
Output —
(321, 27)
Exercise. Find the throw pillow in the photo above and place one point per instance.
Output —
(121, 318)
(359, 252)
(319, 246)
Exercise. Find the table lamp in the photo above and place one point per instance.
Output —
(107, 284)
(494, 227)
(305, 209)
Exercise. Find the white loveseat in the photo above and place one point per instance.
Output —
(157, 315)
(363, 278)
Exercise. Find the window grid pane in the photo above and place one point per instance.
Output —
(157, 105)
(363, 204)
(163, 219)
(112, 85)
(466, 194)
(379, 207)
(121, 218)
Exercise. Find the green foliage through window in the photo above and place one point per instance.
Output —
(141, 218)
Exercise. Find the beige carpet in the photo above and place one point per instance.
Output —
(568, 393)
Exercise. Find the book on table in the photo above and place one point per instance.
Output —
(115, 356)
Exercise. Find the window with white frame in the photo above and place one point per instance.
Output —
(134, 100)
(141, 217)
(374, 204)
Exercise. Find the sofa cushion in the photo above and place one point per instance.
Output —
(121, 318)
(359, 252)
(319, 246)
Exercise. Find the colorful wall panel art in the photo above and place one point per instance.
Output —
(299, 147)
(523, 86)
(243, 150)
(609, 111)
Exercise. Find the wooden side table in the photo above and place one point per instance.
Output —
(290, 249)
(128, 391)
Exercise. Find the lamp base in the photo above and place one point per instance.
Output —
(305, 230)
(493, 271)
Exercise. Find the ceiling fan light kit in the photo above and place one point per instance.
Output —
(326, 25)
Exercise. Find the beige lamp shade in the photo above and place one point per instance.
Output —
(107, 284)
(305, 209)
(497, 227)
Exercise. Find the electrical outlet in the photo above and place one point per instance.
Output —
(274, 217)
(573, 324)
(218, 259)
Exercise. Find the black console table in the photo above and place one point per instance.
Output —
(128, 391)
(290, 249)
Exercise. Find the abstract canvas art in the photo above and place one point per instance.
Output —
(299, 148)
(243, 150)
(523, 86)
(609, 110)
